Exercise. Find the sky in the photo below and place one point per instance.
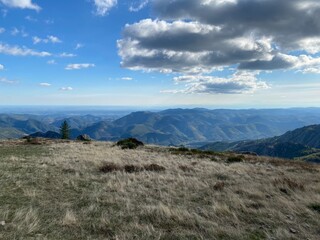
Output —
(160, 53)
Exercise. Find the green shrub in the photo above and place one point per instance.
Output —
(235, 159)
(129, 143)
(315, 207)
(183, 149)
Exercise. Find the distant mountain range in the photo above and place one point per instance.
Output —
(190, 127)
(303, 143)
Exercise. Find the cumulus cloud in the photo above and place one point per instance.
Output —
(239, 83)
(199, 36)
(103, 6)
(66, 89)
(48, 39)
(21, 51)
(24, 4)
(45, 84)
(77, 66)
(1, 67)
(2, 30)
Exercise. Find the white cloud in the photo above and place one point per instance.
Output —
(78, 46)
(48, 39)
(103, 6)
(49, 21)
(199, 36)
(189, 47)
(45, 84)
(2, 30)
(66, 55)
(52, 62)
(1, 67)
(24, 4)
(137, 6)
(239, 83)
(4, 12)
(16, 31)
(127, 78)
(6, 81)
(54, 39)
(66, 89)
(21, 51)
(77, 66)
(31, 19)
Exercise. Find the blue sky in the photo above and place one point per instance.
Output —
(210, 53)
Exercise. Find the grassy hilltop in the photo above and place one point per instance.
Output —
(70, 190)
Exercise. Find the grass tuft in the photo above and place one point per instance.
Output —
(289, 183)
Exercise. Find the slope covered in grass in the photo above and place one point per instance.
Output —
(71, 190)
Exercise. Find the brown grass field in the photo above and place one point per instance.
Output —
(70, 190)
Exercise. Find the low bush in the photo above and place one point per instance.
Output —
(109, 167)
(129, 143)
(235, 159)
(315, 207)
(154, 168)
(132, 168)
(219, 186)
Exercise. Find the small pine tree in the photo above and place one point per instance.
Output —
(65, 130)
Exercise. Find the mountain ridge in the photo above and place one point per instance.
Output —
(190, 127)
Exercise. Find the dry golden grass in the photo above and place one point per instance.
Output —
(56, 190)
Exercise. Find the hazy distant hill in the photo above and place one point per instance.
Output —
(301, 142)
(18, 125)
(170, 127)
(14, 126)
(186, 126)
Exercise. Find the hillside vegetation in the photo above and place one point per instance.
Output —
(303, 143)
(54, 189)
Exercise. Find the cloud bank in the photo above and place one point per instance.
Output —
(202, 36)
(238, 83)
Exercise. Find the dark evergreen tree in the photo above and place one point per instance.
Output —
(65, 130)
